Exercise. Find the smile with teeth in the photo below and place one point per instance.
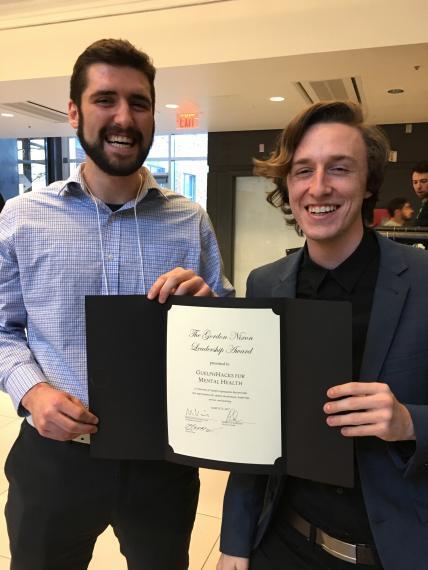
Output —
(326, 209)
(120, 141)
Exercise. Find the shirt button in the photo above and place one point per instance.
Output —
(110, 256)
(339, 490)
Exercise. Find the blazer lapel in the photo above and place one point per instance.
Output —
(388, 302)
(286, 286)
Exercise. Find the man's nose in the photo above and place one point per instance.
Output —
(123, 114)
(319, 184)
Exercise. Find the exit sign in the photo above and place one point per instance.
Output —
(187, 120)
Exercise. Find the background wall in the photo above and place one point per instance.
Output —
(230, 156)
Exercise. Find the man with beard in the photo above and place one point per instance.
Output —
(109, 229)
(400, 211)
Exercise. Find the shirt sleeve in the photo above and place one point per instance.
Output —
(18, 369)
(243, 501)
(211, 264)
(411, 457)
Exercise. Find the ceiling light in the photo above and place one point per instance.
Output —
(171, 106)
(7, 115)
(276, 98)
(395, 91)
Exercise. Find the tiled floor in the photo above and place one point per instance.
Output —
(204, 546)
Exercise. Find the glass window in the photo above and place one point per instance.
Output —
(32, 165)
(189, 186)
(160, 147)
(189, 145)
(160, 170)
(179, 162)
(190, 179)
(75, 150)
(157, 166)
(72, 154)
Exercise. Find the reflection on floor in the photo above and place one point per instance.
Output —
(204, 545)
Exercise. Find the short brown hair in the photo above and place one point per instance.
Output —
(396, 204)
(278, 165)
(421, 167)
(120, 53)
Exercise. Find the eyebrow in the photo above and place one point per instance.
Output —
(331, 158)
(109, 93)
(102, 92)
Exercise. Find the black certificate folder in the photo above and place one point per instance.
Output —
(234, 384)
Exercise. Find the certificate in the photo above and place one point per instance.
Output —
(223, 393)
(234, 384)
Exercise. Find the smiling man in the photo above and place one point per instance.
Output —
(107, 230)
(328, 167)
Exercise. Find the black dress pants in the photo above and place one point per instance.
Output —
(283, 548)
(60, 500)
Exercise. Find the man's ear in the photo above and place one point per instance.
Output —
(73, 114)
(367, 195)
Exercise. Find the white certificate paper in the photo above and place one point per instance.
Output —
(223, 383)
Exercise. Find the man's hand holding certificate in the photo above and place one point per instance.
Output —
(221, 383)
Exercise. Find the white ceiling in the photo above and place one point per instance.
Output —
(188, 45)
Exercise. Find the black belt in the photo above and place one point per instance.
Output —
(353, 553)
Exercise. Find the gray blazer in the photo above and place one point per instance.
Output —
(394, 476)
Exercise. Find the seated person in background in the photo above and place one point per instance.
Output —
(420, 186)
(401, 212)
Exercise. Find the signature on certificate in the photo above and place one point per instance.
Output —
(197, 415)
(232, 418)
(191, 427)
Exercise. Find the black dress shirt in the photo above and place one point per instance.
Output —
(338, 511)
(422, 217)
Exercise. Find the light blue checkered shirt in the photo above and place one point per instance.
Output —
(51, 257)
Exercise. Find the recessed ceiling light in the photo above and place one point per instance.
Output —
(7, 115)
(277, 98)
(395, 91)
(171, 106)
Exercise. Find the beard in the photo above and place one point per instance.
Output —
(120, 166)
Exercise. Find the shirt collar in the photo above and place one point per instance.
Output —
(75, 181)
(314, 272)
(349, 271)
